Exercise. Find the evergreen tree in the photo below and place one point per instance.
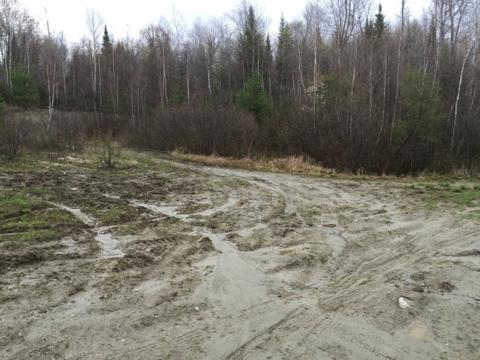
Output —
(106, 44)
(380, 24)
(106, 64)
(422, 119)
(251, 44)
(268, 65)
(25, 91)
(254, 98)
(284, 50)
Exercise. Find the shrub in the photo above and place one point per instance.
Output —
(25, 91)
(111, 150)
(254, 99)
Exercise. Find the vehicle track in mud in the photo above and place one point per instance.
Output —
(294, 267)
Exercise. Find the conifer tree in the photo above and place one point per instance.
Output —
(380, 24)
(251, 44)
(268, 66)
(284, 51)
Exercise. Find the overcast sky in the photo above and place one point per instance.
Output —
(128, 16)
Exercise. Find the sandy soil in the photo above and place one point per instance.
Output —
(217, 263)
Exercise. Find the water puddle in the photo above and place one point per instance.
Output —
(76, 213)
(113, 197)
(170, 211)
(69, 247)
(109, 244)
(232, 272)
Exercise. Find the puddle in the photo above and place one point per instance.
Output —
(84, 218)
(70, 247)
(170, 211)
(232, 273)
(109, 244)
(419, 330)
(113, 197)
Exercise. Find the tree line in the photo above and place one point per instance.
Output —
(340, 85)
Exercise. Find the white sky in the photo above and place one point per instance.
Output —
(129, 16)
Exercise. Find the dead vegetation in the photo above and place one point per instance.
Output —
(291, 164)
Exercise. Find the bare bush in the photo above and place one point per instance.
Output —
(200, 130)
(110, 150)
(13, 134)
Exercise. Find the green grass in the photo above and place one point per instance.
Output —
(12, 205)
(19, 240)
(458, 194)
(23, 219)
(462, 196)
(117, 214)
(39, 218)
(234, 182)
(16, 203)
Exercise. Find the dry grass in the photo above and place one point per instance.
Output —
(303, 166)
(291, 164)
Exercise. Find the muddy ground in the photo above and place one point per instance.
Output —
(164, 260)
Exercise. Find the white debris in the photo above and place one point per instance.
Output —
(404, 302)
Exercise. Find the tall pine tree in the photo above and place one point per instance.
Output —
(251, 45)
(380, 24)
(283, 61)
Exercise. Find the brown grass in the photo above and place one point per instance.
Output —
(291, 164)
(301, 165)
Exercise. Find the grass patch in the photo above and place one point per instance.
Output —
(15, 205)
(37, 219)
(292, 164)
(115, 215)
(16, 241)
(235, 182)
(12, 205)
(458, 194)
(25, 220)
(462, 196)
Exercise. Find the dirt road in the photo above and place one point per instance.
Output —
(231, 264)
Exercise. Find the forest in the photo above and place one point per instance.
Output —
(341, 85)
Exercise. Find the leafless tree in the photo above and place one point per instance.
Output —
(347, 17)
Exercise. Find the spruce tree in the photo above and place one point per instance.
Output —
(106, 64)
(250, 44)
(106, 44)
(380, 24)
(268, 64)
(25, 90)
(285, 46)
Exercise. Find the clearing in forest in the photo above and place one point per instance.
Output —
(162, 259)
